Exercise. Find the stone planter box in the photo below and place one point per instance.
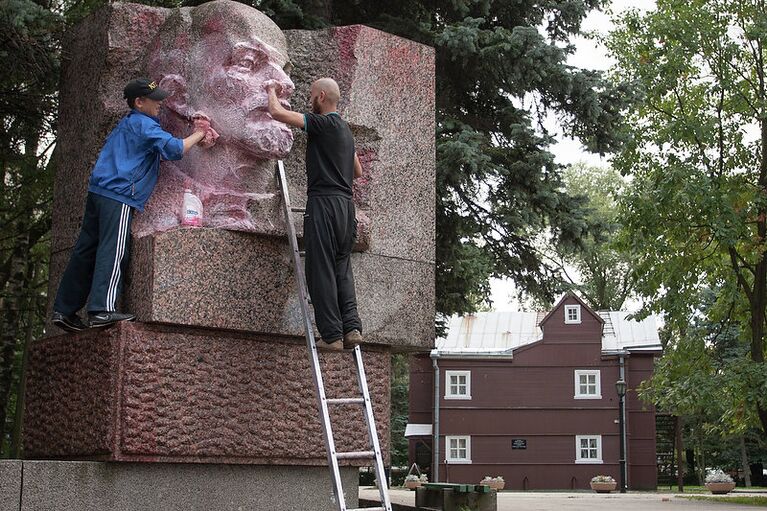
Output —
(604, 487)
(495, 485)
(412, 485)
(720, 488)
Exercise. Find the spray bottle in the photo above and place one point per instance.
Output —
(191, 213)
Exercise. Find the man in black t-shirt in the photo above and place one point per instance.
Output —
(329, 222)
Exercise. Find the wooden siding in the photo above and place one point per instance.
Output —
(532, 397)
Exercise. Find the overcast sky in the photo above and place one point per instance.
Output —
(590, 55)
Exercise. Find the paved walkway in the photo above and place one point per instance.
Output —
(584, 501)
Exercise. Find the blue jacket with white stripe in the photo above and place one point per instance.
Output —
(128, 165)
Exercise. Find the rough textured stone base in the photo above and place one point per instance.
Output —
(176, 280)
(137, 392)
(92, 486)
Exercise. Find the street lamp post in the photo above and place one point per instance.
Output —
(620, 386)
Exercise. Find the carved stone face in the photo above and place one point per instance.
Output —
(215, 58)
(227, 75)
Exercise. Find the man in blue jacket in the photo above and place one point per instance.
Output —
(122, 180)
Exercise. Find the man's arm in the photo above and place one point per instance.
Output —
(357, 167)
(279, 112)
(192, 139)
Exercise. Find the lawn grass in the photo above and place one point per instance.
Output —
(703, 489)
(758, 501)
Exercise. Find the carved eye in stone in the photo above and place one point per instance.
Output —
(246, 62)
(247, 58)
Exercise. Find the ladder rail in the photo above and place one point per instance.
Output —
(383, 484)
(330, 447)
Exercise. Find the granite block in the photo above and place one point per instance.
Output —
(176, 279)
(95, 486)
(138, 392)
(10, 485)
(395, 196)
(395, 138)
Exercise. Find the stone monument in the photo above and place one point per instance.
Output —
(207, 402)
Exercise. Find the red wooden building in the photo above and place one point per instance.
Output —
(532, 397)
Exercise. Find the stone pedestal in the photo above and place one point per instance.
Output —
(212, 384)
(137, 392)
(93, 486)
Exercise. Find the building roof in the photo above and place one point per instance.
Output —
(499, 333)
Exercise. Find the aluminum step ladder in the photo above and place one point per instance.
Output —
(324, 402)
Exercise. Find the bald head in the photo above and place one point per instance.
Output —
(325, 95)
(330, 88)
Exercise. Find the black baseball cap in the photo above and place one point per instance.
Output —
(144, 88)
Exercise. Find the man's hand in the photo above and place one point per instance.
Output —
(276, 110)
(273, 86)
(202, 124)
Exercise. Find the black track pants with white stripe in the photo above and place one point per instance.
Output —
(99, 260)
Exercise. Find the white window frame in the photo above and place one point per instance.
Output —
(593, 461)
(448, 386)
(577, 309)
(448, 454)
(597, 381)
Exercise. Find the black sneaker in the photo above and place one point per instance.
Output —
(71, 323)
(103, 319)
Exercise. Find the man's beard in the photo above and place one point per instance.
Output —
(316, 106)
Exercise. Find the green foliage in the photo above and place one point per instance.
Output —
(744, 500)
(695, 213)
(29, 58)
(498, 187)
(399, 408)
(598, 270)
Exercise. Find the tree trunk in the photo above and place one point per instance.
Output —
(700, 461)
(9, 321)
(744, 462)
(760, 275)
(680, 461)
(34, 298)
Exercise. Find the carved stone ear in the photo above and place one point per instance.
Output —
(178, 101)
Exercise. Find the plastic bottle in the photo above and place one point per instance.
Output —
(191, 215)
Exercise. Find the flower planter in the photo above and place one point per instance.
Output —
(720, 488)
(412, 485)
(495, 485)
(604, 487)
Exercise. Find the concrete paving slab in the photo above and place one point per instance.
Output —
(10, 485)
(584, 501)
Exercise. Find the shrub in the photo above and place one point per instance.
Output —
(718, 476)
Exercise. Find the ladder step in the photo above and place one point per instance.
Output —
(302, 253)
(367, 509)
(298, 210)
(347, 401)
(354, 455)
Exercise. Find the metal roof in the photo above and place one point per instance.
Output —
(490, 332)
(498, 333)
